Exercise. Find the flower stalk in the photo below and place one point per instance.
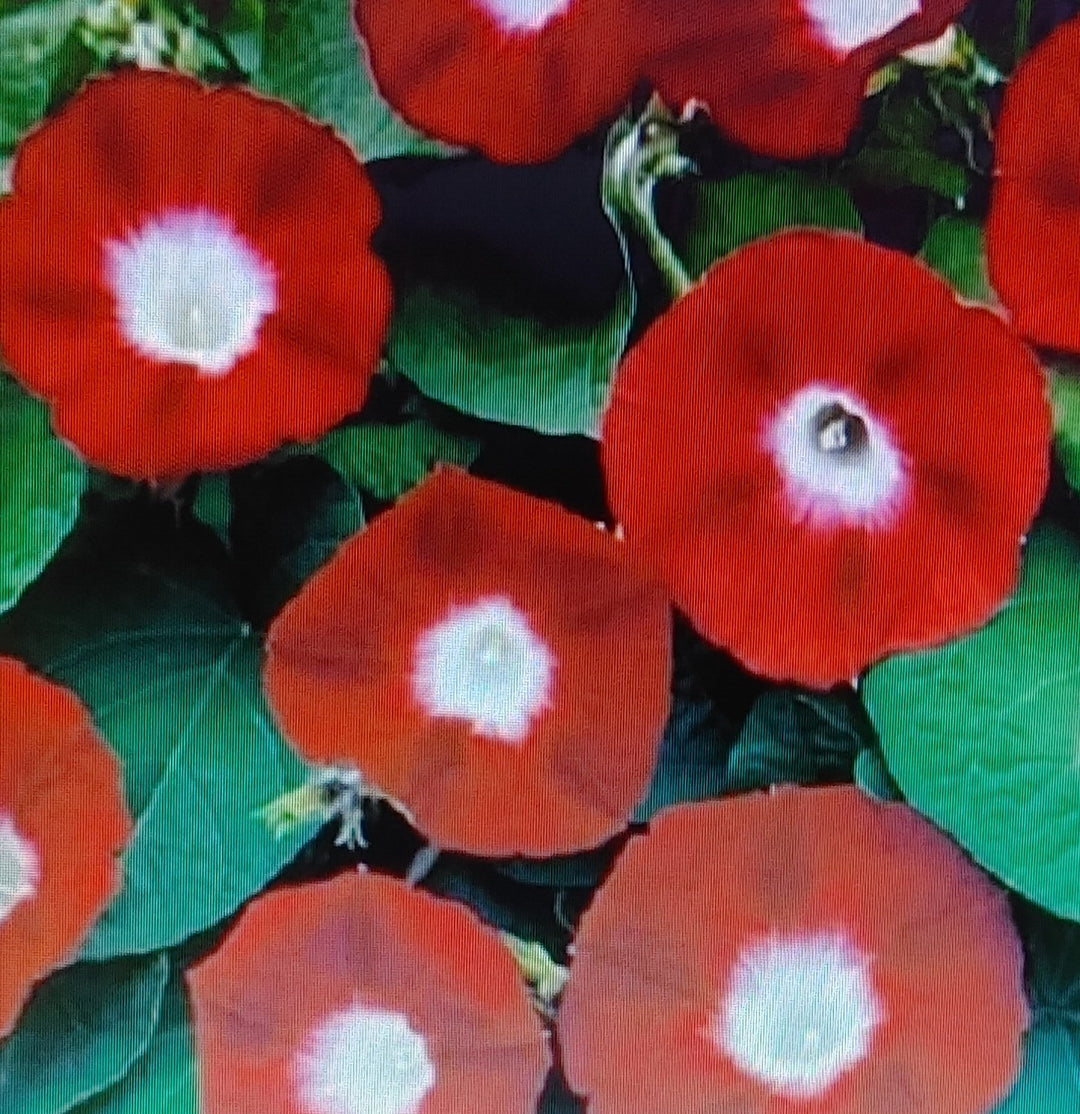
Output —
(639, 153)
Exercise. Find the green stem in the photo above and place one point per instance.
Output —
(1024, 9)
(638, 155)
(663, 254)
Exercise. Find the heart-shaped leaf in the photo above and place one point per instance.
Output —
(981, 735)
(136, 617)
(80, 1033)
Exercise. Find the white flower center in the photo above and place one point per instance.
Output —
(799, 1012)
(19, 868)
(190, 289)
(845, 25)
(839, 464)
(363, 1061)
(485, 664)
(523, 15)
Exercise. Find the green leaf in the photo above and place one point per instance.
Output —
(164, 1080)
(893, 168)
(799, 738)
(906, 120)
(710, 701)
(734, 212)
(135, 616)
(872, 776)
(289, 518)
(1065, 392)
(553, 378)
(80, 1033)
(38, 46)
(387, 460)
(314, 58)
(212, 504)
(982, 735)
(41, 482)
(1049, 1081)
(692, 762)
(582, 870)
(954, 247)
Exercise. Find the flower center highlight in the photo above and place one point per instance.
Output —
(189, 289)
(363, 1060)
(485, 664)
(523, 15)
(799, 1012)
(838, 463)
(19, 868)
(845, 25)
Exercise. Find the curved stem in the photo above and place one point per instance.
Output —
(638, 155)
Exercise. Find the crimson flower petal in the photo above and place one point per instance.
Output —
(359, 994)
(806, 949)
(826, 456)
(63, 821)
(1034, 221)
(188, 297)
(487, 660)
(517, 80)
(784, 77)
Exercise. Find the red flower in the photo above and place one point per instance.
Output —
(1034, 222)
(359, 996)
(804, 950)
(826, 456)
(785, 77)
(185, 275)
(518, 80)
(62, 822)
(486, 660)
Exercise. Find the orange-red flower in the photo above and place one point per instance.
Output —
(826, 456)
(518, 80)
(1033, 228)
(784, 77)
(803, 950)
(359, 996)
(63, 820)
(186, 276)
(487, 660)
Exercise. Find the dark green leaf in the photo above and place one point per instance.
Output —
(387, 460)
(982, 734)
(212, 505)
(583, 870)
(557, 1098)
(954, 248)
(1050, 1079)
(516, 370)
(134, 616)
(524, 910)
(872, 776)
(41, 482)
(289, 518)
(80, 1033)
(906, 120)
(164, 1079)
(313, 58)
(749, 206)
(893, 168)
(799, 738)
(710, 700)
